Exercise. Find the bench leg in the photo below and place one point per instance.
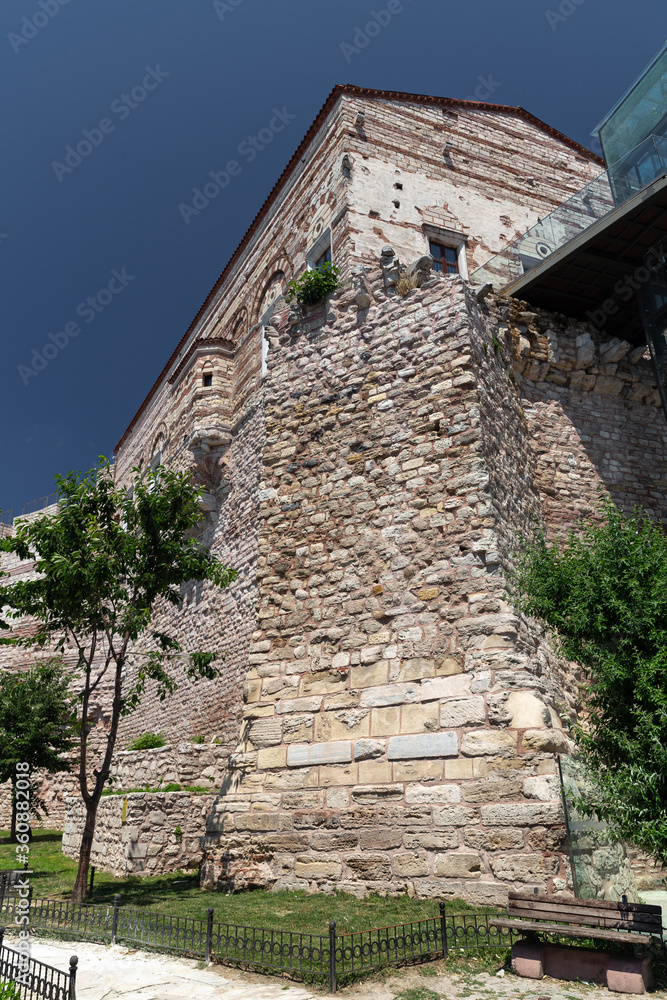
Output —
(527, 958)
(629, 973)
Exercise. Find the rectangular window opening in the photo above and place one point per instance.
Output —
(445, 259)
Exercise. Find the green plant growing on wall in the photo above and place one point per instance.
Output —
(148, 741)
(313, 285)
(178, 833)
(604, 593)
(172, 786)
(104, 563)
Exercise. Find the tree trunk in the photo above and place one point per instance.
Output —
(81, 883)
(12, 833)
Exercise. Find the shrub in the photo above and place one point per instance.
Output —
(313, 285)
(178, 833)
(148, 741)
(9, 991)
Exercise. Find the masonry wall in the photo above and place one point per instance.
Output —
(401, 718)
(141, 833)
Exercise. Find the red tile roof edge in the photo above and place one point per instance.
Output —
(338, 91)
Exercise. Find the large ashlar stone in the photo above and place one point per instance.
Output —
(368, 749)
(458, 865)
(305, 754)
(307, 867)
(527, 711)
(523, 814)
(492, 789)
(411, 865)
(546, 741)
(545, 787)
(454, 816)
(390, 694)
(444, 840)
(445, 687)
(487, 742)
(369, 866)
(432, 793)
(462, 712)
(425, 745)
(485, 839)
(520, 867)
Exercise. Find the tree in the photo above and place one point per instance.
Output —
(107, 560)
(37, 719)
(604, 592)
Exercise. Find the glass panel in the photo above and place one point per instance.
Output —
(642, 112)
(597, 199)
(652, 297)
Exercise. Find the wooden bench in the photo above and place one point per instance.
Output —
(10, 883)
(630, 923)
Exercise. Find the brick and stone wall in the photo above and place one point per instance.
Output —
(141, 833)
(401, 718)
(184, 763)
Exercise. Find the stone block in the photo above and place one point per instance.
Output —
(459, 769)
(308, 754)
(527, 711)
(335, 840)
(389, 694)
(380, 840)
(527, 959)
(375, 771)
(425, 745)
(369, 866)
(545, 787)
(488, 742)
(257, 821)
(272, 757)
(417, 770)
(458, 865)
(369, 749)
(425, 794)
(338, 775)
(444, 840)
(415, 669)
(629, 973)
(449, 665)
(462, 712)
(307, 867)
(410, 865)
(454, 816)
(500, 839)
(371, 794)
(441, 688)
(385, 721)
(344, 724)
(492, 790)
(417, 718)
(288, 705)
(323, 682)
(369, 675)
(523, 814)
(546, 741)
(523, 867)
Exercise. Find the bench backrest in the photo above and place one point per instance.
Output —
(645, 918)
(9, 882)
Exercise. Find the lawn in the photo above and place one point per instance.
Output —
(179, 894)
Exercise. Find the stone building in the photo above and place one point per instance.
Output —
(368, 464)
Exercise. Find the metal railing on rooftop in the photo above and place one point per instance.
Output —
(7, 516)
(610, 190)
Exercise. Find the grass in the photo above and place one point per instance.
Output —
(179, 894)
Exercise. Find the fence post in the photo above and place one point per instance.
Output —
(332, 956)
(114, 924)
(2, 935)
(209, 934)
(443, 929)
(73, 962)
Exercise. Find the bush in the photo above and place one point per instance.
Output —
(9, 991)
(313, 285)
(148, 741)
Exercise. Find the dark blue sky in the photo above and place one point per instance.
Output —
(217, 70)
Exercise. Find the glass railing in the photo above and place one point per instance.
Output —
(613, 188)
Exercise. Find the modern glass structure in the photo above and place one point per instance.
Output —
(611, 235)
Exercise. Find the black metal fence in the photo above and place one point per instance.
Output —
(35, 979)
(331, 956)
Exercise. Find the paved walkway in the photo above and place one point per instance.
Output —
(117, 973)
